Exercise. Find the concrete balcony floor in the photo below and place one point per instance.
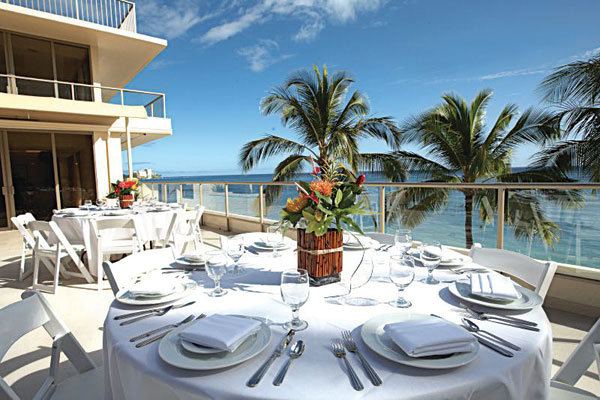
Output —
(83, 309)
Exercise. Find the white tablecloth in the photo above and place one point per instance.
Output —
(133, 373)
(78, 230)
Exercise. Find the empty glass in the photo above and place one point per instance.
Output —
(431, 256)
(216, 267)
(294, 292)
(235, 250)
(87, 204)
(402, 273)
(403, 240)
(100, 203)
(274, 238)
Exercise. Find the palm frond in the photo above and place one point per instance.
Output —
(259, 150)
(386, 163)
(411, 206)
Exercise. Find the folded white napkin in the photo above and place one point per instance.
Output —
(153, 287)
(429, 337)
(493, 286)
(193, 257)
(223, 332)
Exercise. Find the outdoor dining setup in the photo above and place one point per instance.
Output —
(310, 308)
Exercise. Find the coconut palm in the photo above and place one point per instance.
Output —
(575, 90)
(329, 126)
(460, 149)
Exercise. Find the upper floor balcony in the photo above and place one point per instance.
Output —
(118, 14)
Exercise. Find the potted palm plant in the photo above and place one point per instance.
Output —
(322, 209)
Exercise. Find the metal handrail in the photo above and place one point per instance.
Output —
(500, 188)
(119, 14)
(13, 88)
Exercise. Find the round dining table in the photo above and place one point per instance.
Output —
(140, 373)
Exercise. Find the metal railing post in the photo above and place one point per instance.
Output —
(77, 8)
(261, 212)
(227, 205)
(180, 197)
(200, 194)
(500, 227)
(122, 100)
(164, 106)
(152, 109)
(165, 193)
(382, 209)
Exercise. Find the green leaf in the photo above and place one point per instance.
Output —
(338, 198)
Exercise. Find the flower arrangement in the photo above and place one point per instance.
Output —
(126, 187)
(329, 200)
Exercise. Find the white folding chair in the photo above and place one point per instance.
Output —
(166, 236)
(382, 238)
(537, 274)
(562, 386)
(192, 230)
(114, 236)
(20, 222)
(31, 313)
(54, 255)
(122, 273)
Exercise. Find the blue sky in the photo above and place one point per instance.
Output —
(223, 56)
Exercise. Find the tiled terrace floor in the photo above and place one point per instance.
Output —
(83, 309)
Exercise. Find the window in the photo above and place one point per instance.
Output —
(3, 68)
(33, 58)
(73, 65)
(75, 160)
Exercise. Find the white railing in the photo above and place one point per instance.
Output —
(154, 103)
(118, 14)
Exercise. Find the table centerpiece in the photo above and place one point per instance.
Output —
(322, 210)
(124, 191)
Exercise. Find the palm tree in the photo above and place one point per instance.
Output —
(459, 150)
(329, 127)
(575, 90)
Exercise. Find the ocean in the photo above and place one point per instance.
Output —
(578, 233)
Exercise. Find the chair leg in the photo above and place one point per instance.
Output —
(99, 270)
(36, 269)
(22, 265)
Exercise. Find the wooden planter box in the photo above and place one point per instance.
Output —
(321, 256)
(126, 200)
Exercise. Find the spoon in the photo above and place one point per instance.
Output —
(295, 351)
(473, 327)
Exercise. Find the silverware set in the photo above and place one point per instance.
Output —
(489, 339)
(154, 312)
(166, 329)
(279, 350)
(384, 247)
(339, 348)
(501, 319)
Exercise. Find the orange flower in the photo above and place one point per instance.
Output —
(322, 187)
(296, 205)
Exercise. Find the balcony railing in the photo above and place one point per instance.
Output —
(154, 103)
(577, 228)
(118, 14)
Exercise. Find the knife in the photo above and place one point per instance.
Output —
(285, 342)
(251, 250)
(492, 346)
(152, 311)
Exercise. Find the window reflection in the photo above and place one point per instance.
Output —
(75, 161)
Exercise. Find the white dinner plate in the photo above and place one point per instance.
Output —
(366, 245)
(197, 349)
(192, 263)
(261, 245)
(116, 213)
(184, 289)
(459, 261)
(527, 301)
(377, 340)
(172, 352)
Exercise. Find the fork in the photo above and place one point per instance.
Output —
(160, 313)
(339, 352)
(353, 348)
(162, 335)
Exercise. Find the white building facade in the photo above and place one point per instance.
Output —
(65, 115)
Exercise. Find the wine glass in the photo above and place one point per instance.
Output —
(235, 250)
(294, 292)
(274, 238)
(100, 202)
(87, 204)
(402, 273)
(403, 240)
(431, 256)
(216, 267)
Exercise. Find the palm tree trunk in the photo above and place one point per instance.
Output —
(468, 219)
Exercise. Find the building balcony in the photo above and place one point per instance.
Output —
(119, 14)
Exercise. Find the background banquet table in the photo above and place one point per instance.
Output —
(139, 373)
(78, 230)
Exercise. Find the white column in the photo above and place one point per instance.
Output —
(129, 159)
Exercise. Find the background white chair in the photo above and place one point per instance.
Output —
(537, 274)
(20, 222)
(121, 274)
(113, 236)
(166, 236)
(31, 313)
(191, 231)
(588, 350)
(54, 255)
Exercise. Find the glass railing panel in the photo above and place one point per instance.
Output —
(213, 197)
(173, 193)
(190, 194)
(243, 200)
(554, 225)
(275, 198)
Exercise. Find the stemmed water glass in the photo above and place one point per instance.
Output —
(216, 267)
(100, 202)
(235, 250)
(431, 256)
(274, 238)
(87, 204)
(402, 273)
(294, 292)
(403, 240)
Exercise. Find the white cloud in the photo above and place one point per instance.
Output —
(587, 54)
(263, 54)
(497, 75)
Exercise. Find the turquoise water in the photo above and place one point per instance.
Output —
(579, 229)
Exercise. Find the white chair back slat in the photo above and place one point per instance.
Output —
(41, 232)
(21, 222)
(582, 357)
(169, 233)
(62, 239)
(19, 319)
(537, 274)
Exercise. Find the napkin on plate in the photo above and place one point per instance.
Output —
(493, 286)
(430, 336)
(223, 332)
(193, 257)
(153, 287)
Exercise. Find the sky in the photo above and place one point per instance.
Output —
(224, 56)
